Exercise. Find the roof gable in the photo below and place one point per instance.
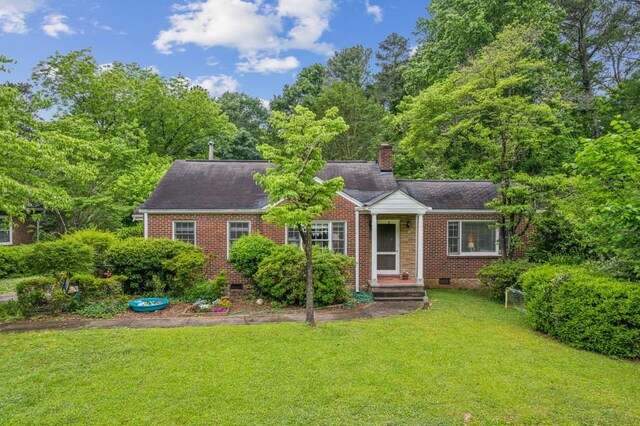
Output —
(398, 202)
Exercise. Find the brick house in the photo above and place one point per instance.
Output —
(409, 233)
(18, 233)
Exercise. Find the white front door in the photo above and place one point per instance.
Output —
(388, 249)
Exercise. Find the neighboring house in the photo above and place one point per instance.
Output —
(437, 232)
(18, 233)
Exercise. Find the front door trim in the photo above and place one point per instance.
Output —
(396, 271)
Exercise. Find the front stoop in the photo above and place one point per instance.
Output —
(398, 292)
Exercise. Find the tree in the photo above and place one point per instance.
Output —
(177, 119)
(457, 30)
(365, 118)
(307, 86)
(251, 119)
(490, 120)
(392, 55)
(351, 66)
(296, 198)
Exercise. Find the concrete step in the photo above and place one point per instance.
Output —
(398, 299)
(405, 287)
(397, 294)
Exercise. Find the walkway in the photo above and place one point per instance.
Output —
(373, 310)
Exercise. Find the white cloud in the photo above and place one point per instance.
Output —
(217, 85)
(373, 10)
(268, 65)
(53, 25)
(13, 15)
(258, 30)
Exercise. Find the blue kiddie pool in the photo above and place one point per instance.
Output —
(149, 304)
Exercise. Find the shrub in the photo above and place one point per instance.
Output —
(93, 288)
(135, 230)
(34, 294)
(183, 270)
(281, 276)
(13, 261)
(500, 275)
(99, 241)
(248, 251)
(585, 309)
(10, 311)
(210, 289)
(104, 308)
(64, 256)
(141, 259)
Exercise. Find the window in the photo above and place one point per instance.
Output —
(235, 230)
(5, 232)
(323, 234)
(472, 238)
(184, 231)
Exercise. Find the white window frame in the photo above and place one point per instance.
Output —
(195, 230)
(330, 222)
(472, 254)
(229, 222)
(10, 242)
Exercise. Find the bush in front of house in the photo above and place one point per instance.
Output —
(60, 257)
(184, 270)
(142, 261)
(91, 288)
(248, 251)
(13, 261)
(99, 241)
(135, 230)
(500, 275)
(209, 289)
(35, 295)
(584, 309)
(281, 276)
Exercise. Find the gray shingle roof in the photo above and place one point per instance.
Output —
(229, 185)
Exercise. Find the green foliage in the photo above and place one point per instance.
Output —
(586, 310)
(135, 230)
(351, 66)
(281, 276)
(307, 86)
(141, 259)
(92, 288)
(210, 289)
(99, 241)
(34, 294)
(61, 257)
(10, 311)
(183, 271)
(500, 275)
(107, 308)
(457, 30)
(554, 234)
(365, 118)
(251, 119)
(13, 261)
(392, 56)
(248, 251)
(606, 202)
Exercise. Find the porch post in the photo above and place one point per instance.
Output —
(374, 249)
(420, 250)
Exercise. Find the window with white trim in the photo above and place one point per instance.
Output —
(184, 231)
(324, 234)
(473, 237)
(5, 231)
(235, 231)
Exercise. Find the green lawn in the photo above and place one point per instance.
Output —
(9, 284)
(465, 355)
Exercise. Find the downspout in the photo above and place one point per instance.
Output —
(357, 251)
(145, 221)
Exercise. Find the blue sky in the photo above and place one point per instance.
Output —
(253, 46)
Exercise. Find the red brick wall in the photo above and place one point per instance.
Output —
(211, 233)
(24, 233)
(439, 264)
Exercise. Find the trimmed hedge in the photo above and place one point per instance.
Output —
(99, 241)
(281, 276)
(36, 294)
(13, 261)
(93, 288)
(142, 261)
(584, 309)
(64, 256)
(500, 275)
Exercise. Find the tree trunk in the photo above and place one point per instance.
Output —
(306, 239)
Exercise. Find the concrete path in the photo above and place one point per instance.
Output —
(7, 297)
(373, 310)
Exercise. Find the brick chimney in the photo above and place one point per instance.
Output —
(385, 157)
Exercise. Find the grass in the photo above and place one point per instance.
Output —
(465, 355)
(9, 284)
